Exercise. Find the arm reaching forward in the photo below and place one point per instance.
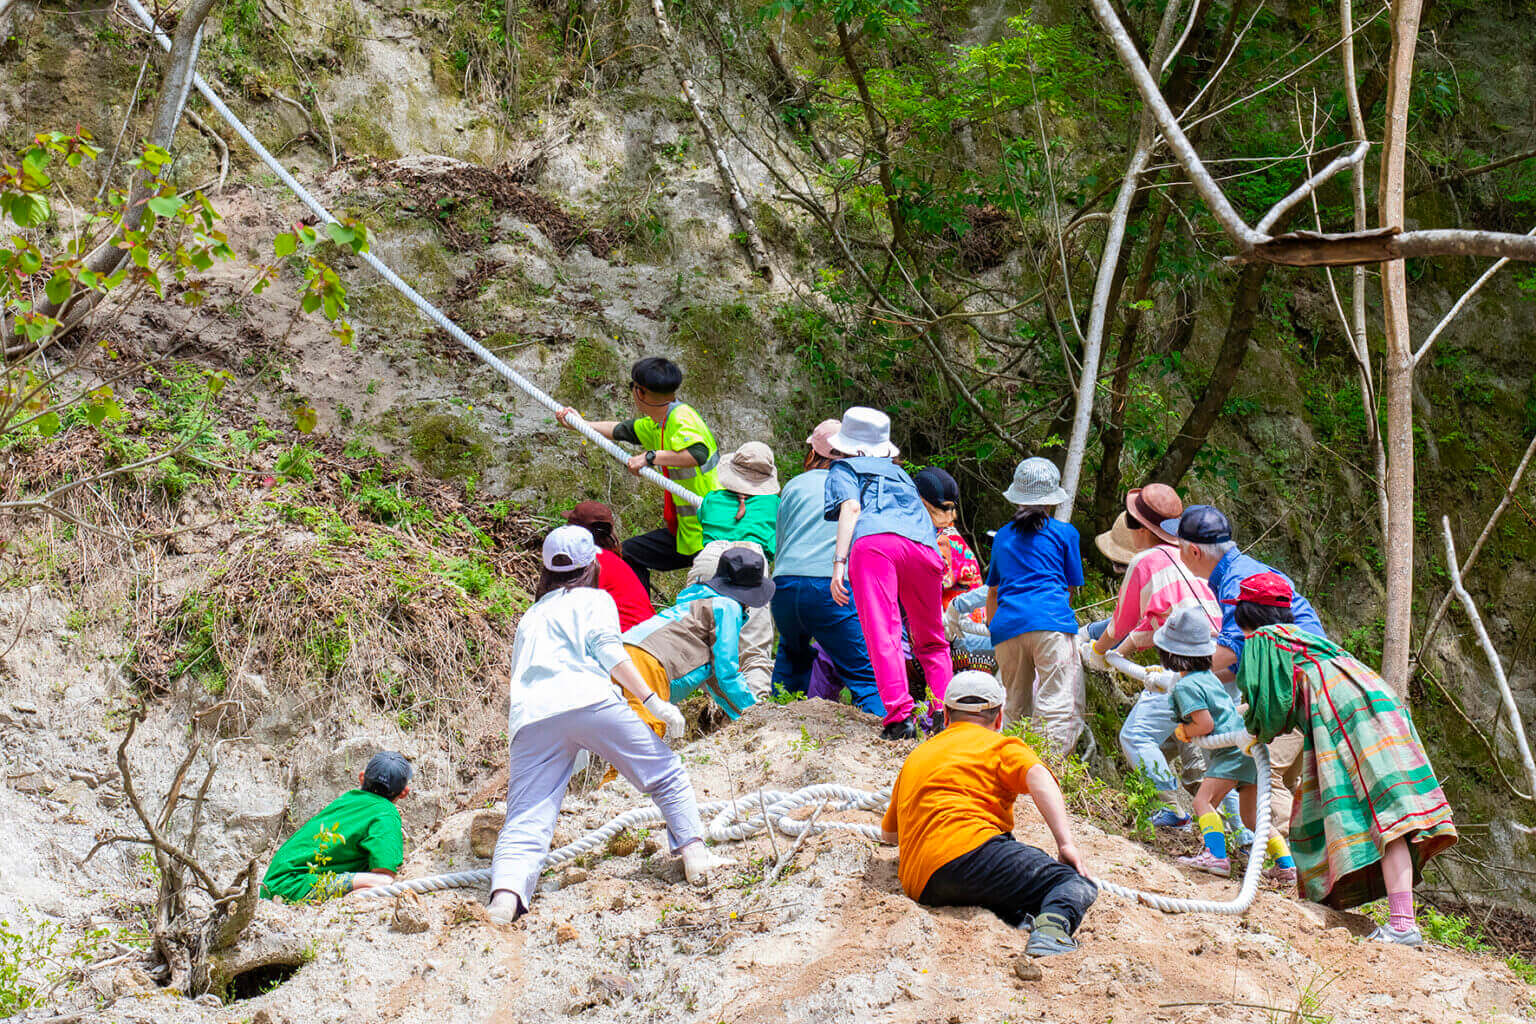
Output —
(1047, 796)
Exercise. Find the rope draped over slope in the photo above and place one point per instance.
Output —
(394, 280)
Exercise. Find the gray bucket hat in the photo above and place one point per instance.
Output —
(1036, 481)
(1187, 632)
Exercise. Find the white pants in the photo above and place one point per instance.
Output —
(756, 652)
(541, 761)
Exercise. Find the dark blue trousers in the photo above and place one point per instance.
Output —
(803, 611)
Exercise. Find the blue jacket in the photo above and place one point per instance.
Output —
(698, 643)
(1227, 580)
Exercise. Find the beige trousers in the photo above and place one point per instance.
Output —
(1043, 678)
(756, 653)
(1284, 774)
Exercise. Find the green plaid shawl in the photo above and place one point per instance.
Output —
(1365, 779)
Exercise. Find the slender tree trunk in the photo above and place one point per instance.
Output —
(1106, 490)
(1170, 469)
(1109, 266)
(1399, 355)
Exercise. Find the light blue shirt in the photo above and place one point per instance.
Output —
(887, 497)
(1227, 581)
(723, 663)
(807, 541)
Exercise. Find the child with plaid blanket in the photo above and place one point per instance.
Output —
(1370, 812)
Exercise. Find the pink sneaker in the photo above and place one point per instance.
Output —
(1281, 876)
(1208, 863)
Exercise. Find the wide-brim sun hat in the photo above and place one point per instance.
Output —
(1117, 543)
(1155, 505)
(1036, 481)
(749, 469)
(865, 431)
(1187, 632)
(742, 575)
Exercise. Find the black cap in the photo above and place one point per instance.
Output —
(1200, 524)
(937, 487)
(742, 576)
(387, 774)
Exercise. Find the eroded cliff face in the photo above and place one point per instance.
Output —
(574, 224)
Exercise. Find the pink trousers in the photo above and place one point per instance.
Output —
(890, 574)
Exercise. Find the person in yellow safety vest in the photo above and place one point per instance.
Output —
(679, 445)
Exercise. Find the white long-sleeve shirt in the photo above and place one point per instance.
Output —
(566, 646)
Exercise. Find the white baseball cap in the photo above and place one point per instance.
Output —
(569, 547)
(974, 691)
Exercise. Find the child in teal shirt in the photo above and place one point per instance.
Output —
(1204, 707)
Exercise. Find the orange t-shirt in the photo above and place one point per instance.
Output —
(955, 792)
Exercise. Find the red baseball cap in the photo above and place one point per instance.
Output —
(1269, 588)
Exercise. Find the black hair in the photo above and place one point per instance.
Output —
(378, 789)
(1184, 662)
(981, 716)
(602, 533)
(566, 579)
(1133, 523)
(1251, 615)
(657, 375)
(1030, 518)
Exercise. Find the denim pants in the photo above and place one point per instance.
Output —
(804, 611)
(541, 761)
(1014, 880)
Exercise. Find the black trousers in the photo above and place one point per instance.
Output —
(1014, 880)
(656, 551)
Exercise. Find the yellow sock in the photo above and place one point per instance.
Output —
(1280, 851)
(1214, 831)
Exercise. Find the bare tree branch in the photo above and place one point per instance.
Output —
(1516, 723)
(1456, 308)
(1311, 185)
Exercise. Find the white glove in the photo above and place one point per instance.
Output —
(952, 629)
(668, 713)
(1092, 658)
(1162, 681)
(1250, 745)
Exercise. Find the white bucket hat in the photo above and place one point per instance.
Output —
(1036, 481)
(1187, 632)
(865, 431)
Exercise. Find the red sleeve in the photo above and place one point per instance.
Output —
(616, 577)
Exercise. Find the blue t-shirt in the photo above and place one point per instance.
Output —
(806, 540)
(887, 497)
(1032, 572)
(1227, 581)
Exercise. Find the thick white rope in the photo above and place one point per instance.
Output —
(432, 313)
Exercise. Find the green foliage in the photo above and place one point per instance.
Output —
(36, 958)
(1142, 801)
(1452, 930)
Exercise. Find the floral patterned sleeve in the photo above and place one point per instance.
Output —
(961, 569)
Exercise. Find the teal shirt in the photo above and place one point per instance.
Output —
(717, 516)
(358, 831)
(1202, 691)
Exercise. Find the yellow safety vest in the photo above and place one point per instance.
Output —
(683, 427)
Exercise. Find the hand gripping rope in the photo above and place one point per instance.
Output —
(430, 311)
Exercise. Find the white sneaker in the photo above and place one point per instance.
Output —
(1386, 933)
(699, 861)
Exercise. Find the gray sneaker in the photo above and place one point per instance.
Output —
(1048, 937)
(1391, 936)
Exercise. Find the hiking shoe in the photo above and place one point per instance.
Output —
(1208, 863)
(1048, 936)
(1168, 818)
(906, 729)
(1391, 936)
(1282, 876)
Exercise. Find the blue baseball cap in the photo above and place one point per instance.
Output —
(1200, 524)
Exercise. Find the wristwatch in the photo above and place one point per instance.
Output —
(650, 459)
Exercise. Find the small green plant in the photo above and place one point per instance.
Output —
(805, 744)
(784, 697)
(1141, 801)
(297, 463)
(1454, 930)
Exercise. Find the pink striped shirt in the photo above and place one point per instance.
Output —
(1155, 584)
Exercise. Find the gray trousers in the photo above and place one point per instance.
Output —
(543, 756)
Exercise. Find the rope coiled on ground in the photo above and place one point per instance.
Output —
(432, 313)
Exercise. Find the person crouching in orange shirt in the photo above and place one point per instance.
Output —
(951, 815)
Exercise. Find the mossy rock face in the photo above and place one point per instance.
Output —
(449, 446)
(710, 341)
(591, 364)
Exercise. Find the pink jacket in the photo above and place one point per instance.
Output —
(1156, 583)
